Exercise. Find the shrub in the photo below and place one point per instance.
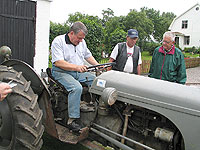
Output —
(150, 47)
(192, 50)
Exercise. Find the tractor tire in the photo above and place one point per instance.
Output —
(20, 116)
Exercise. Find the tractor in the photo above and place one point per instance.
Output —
(121, 110)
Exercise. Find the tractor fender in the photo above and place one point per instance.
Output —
(37, 83)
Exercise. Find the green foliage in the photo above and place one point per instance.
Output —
(146, 55)
(139, 21)
(190, 55)
(57, 29)
(117, 36)
(104, 34)
(160, 22)
(77, 16)
(150, 47)
(192, 50)
(94, 37)
(107, 15)
(114, 24)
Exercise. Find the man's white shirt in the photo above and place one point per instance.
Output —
(129, 63)
(68, 52)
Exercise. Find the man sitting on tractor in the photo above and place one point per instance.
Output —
(68, 54)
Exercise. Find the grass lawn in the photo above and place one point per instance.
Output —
(146, 56)
(191, 55)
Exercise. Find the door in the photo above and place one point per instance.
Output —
(17, 28)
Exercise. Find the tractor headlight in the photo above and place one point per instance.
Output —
(109, 96)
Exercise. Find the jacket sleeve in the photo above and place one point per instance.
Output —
(182, 77)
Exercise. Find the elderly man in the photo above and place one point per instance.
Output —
(127, 55)
(168, 61)
(68, 54)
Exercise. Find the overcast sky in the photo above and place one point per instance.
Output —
(60, 9)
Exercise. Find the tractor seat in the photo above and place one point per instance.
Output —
(53, 81)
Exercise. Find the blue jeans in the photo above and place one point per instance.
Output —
(71, 81)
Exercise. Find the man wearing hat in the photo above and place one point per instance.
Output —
(127, 55)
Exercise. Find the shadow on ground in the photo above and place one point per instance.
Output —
(51, 143)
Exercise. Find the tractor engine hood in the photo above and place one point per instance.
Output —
(135, 89)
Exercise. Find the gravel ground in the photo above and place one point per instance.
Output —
(193, 75)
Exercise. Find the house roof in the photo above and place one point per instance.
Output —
(170, 27)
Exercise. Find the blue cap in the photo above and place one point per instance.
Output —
(132, 33)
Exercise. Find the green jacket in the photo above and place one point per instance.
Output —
(168, 66)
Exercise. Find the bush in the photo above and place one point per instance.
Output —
(192, 50)
(94, 37)
(150, 47)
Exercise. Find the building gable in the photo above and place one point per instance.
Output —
(186, 27)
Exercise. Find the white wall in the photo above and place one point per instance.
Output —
(42, 35)
(193, 30)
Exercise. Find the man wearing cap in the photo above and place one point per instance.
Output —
(127, 55)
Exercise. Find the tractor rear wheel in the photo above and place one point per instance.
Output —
(20, 116)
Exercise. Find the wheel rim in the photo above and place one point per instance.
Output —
(5, 125)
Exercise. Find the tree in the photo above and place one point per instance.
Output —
(117, 36)
(57, 29)
(107, 15)
(115, 24)
(77, 16)
(139, 21)
(94, 37)
(161, 23)
(105, 33)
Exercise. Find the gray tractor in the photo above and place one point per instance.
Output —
(121, 110)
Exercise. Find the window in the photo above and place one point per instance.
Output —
(186, 40)
(184, 24)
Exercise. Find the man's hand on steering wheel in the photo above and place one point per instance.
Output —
(100, 67)
(82, 68)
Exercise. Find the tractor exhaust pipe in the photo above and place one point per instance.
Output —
(117, 143)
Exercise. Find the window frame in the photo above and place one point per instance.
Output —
(184, 24)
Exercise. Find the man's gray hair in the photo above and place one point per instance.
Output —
(77, 27)
(169, 34)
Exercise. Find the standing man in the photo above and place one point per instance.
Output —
(127, 55)
(68, 54)
(168, 61)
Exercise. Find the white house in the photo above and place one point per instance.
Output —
(187, 28)
(42, 35)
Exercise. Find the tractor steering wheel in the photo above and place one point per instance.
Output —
(100, 67)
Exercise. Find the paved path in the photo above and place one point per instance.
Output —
(193, 75)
